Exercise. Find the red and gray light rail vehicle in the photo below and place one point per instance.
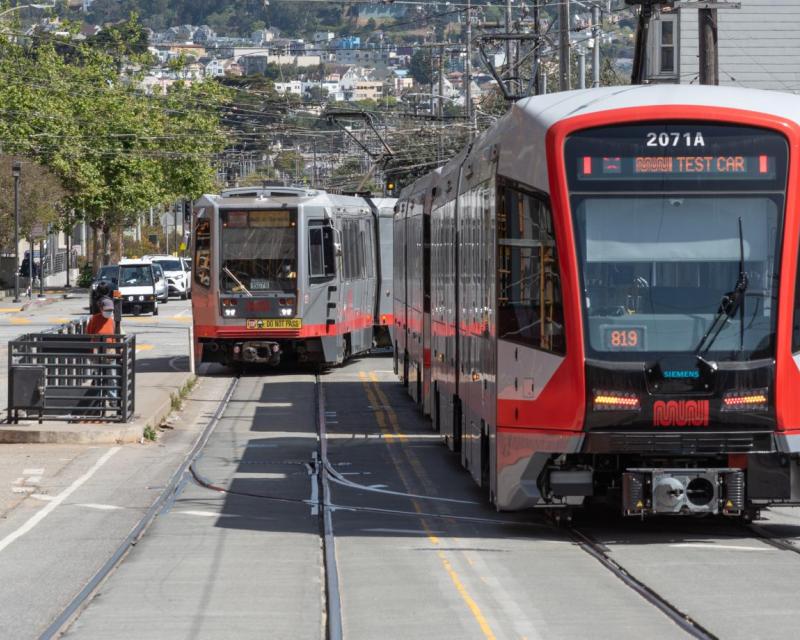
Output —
(599, 300)
(285, 272)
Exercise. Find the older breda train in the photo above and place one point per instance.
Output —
(282, 271)
(599, 300)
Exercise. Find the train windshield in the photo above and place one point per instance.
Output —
(678, 232)
(259, 251)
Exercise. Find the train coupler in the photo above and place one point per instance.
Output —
(258, 352)
(683, 492)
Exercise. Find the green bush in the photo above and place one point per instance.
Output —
(86, 276)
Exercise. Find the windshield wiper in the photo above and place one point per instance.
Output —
(732, 302)
(237, 281)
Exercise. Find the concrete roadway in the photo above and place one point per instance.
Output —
(442, 564)
(65, 508)
(246, 562)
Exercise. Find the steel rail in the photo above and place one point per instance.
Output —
(333, 608)
(75, 606)
(683, 620)
(766, 537)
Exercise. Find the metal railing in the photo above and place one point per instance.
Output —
(67, 374)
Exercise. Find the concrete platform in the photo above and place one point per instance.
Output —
(154, 391)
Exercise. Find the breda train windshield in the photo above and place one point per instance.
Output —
(678, 235)
(259, 251)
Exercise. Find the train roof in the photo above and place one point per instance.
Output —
(277, 196)
(553, 107)
(521, 156)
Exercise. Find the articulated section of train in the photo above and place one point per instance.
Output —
(599, 301)
(283, 272)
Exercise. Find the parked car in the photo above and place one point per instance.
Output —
(162, 290)
(179, 279)
(137, 286)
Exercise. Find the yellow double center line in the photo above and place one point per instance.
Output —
(384, 413)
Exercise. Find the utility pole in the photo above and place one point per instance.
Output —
(441, 85)
(563, 50)
(16, 169)
(639, 70)
(709, 58)
(468, 72)
(41, 267)
(596, 48)
(69, 248)
(440, 111)
(314, 175)
(581, 68)
(537, 64)
(509, 50)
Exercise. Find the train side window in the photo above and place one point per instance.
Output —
(529, 300)
(321, 263)
(347, 251)
(202, 252)
(361, 255)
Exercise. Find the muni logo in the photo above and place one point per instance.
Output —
(680, 413)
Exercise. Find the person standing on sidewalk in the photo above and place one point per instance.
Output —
(102, 324)
(102, 320)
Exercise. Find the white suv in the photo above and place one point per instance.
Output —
(179, 278)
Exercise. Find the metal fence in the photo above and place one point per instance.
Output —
(66, 374)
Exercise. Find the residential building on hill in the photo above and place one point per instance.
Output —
(757, 43)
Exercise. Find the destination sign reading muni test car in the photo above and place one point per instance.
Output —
(679, 155)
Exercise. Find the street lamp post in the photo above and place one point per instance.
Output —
(16, 169)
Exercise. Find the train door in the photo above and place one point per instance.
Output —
(448, 403)
(465, 259)
(530, 325)
(399, 308)
(320, 304)
(426, 308)
(482, 386)
(365, 294)
(204, 299)
(468, 393)
(415, 319)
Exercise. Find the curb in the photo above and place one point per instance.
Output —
(94, 433)
(163, 411)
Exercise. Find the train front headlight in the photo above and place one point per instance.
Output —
(229, 312)
(286, 312)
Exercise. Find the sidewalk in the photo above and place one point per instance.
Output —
(162, 370)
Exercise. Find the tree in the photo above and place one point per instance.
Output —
(420, 67)
(316, 94)
(290, 162)
(115, 150)
(40, 198)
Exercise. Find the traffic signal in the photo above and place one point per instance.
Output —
(390, 185)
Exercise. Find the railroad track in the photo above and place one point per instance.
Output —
(599, 553)
(181, 475)
(322, 505)
(333, 608)
(320, 502)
